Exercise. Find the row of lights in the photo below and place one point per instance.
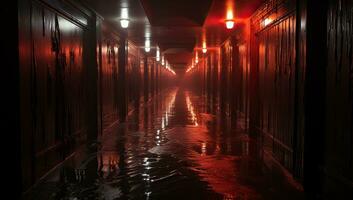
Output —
(229, 24)
(196, 60)
(124, 22)
(193, 62)
(124, 19)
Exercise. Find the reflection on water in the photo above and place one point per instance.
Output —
(168, 149)
(191, 109)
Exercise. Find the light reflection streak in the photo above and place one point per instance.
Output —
(170, 101)
(203, 149)
(108, 162)
(170, 104)
(190, 108)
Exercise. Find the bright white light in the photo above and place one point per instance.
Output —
(229, 20)
(267, 21)
(158, 55)
(124, 23)
(124, 13)
(147, 45)
(163, 60)
(229, 24)
(204, 50)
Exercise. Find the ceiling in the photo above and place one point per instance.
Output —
(176, 26)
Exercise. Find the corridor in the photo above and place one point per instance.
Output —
(172, 147)
(178, 99)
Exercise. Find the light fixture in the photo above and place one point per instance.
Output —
(204, 47)
(267, 21)
(163, 60)
(196, 58)
(147, 45)
(229, 23)
(124, 21)
(157, 54)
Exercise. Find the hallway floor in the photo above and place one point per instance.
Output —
(169, 148)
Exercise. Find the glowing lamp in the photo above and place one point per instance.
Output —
(229, 23)
(158, 55)
(124, 18)
(147, 45)
(204, 50)
(267, 21)
(124, 23)
(196, 58)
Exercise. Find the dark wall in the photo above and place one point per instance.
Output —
(276, 79)
(108, 76)
(135, 75)
(234, 76)
(338, 162)
(78, 76)
(300, 91)
(52, 86)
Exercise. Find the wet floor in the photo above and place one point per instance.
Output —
(176, 146)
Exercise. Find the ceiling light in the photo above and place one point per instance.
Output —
(204, 47)
(229, 23)
(124, 23)
(229, 18)
(147, 45)
(158, 55)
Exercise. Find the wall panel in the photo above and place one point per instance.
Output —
(108, 73)
(52, 89)
(339, 94)
(276, 87)
(275, 84)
